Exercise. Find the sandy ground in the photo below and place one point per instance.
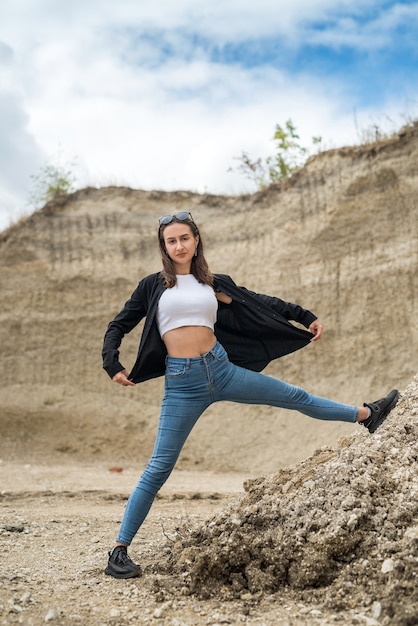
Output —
(58, 521)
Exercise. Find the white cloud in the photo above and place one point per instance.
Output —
(131, 88)
(229, 21)
(20, 155)
(374, 32)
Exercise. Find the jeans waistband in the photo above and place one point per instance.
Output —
(215, 353)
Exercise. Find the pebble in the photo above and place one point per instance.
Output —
(25, 598)
(368, 621)
(352, 522)
(219, 619)
(387, 566)
(412, 533)
(376, 610)
(51, 615)
(246, 596)
(114, 613)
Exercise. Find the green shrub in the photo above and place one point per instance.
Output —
(52, 181)
(289, 156)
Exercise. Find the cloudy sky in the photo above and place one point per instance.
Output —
(165, 95)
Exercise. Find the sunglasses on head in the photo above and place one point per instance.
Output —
(182, 216)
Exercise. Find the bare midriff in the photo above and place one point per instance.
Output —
(188, 342)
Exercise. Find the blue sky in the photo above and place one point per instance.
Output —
(165, 95)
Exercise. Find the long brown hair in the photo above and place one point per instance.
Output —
(199, 267)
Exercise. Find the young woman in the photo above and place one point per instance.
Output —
(210, 339)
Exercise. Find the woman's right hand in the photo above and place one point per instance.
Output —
(121, 378)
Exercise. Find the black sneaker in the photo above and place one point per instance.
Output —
(380, 410)
(120, 565)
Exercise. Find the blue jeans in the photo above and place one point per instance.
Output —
(191, 385)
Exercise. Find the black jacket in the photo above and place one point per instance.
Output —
(254, 329)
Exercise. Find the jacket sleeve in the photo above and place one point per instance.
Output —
(134, 310)
(291, 312)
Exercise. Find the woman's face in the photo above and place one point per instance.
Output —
(181, 245)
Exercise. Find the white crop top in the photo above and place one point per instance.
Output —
(188, 303)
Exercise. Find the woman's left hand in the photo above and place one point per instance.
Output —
(316, 329)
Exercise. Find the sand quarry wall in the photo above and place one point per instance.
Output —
(340, 238)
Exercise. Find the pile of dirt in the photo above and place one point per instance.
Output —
(340, 527)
